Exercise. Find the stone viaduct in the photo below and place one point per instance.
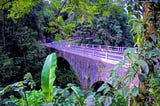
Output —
(90, 62)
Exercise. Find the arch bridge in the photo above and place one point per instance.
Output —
(91, 63)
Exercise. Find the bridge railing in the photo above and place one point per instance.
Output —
(101, 51)
(100, 47)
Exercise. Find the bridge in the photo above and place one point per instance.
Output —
(91, 63)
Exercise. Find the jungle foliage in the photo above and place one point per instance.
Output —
(112, 30)
(20, 52)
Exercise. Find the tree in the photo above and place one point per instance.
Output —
(149, 18)
(78, 11)
(147, 36)
(111, 30)
(20, 50)
(15, 9)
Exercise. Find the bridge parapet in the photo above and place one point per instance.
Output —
(100, 47)
(100, 51)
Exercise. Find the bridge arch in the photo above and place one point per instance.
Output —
(87, 69)
(62, 64)
(65, 73)
(96, 85)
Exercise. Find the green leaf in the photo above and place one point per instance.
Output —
(129, 7)
(151, 91)
(108, 101)
(7, 62)
(131, 54)
(135, 91)
(129, 50)
(21, 7)
(58, 37)
(106, 13)
(158, 72)
(142, 77)
(133, 57)
(140, 39)
(55, 91)
(105, 88)
(78, 91)
(154, 37)
(70, 26)
(19, 84)
(60, 20)
(143, 65)
(55, 4)
(101, 99)
(48, 76)
(90, 100)
(124, 92)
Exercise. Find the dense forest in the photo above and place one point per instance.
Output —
(26, 25)
(22, 52)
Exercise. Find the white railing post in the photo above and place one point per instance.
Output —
(99, 46)
(120, 49)
(86, 45)
(107, 48)
(92, 46)
(123, 58)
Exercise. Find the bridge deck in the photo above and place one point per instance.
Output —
(110, 55)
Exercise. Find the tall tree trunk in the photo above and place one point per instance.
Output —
(149, 20)
(3, 30)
